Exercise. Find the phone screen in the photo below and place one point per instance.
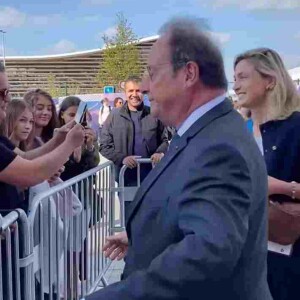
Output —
(81, 111)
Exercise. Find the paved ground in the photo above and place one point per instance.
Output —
(116, 268)
(115, 271)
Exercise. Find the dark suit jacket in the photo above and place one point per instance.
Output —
(198, 228)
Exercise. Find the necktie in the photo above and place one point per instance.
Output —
(174, 141)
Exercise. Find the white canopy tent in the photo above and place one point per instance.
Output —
(295, 74)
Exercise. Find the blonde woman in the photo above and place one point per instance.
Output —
(264, 86)
(19, 122)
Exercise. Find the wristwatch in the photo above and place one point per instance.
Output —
(293, 189)
(91, 149)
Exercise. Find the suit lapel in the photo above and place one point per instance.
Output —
(153, 175)
(216, 112)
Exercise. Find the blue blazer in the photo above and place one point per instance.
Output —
(198, 225)
(281, 142)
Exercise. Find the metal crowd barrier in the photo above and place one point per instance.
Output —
(69, 224)
(16, 260)
(55, 252)
(127, 193)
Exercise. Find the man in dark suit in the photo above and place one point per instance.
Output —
(198, 225)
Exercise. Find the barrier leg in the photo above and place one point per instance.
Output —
(104, 281)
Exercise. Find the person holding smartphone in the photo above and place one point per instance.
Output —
(83, 158)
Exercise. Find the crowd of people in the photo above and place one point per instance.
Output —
(33, 129)
(218, 215)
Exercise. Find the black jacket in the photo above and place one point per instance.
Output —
(117, 135)
(88, 161)
(281, 143)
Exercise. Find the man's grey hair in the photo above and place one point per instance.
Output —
(190, 41)
(135, 79)
(2, 68)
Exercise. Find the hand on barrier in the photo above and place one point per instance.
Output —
(156, 157)
(56, 175)
(130, 161)
(116, 246)
(76, 136)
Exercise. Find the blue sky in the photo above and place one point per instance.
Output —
(37, 27)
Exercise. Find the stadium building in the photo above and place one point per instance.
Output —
(76, 70)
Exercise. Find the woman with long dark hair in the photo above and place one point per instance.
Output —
(45, 116)
(85, 157)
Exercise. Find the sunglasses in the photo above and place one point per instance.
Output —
(4, 93)
(264, 52)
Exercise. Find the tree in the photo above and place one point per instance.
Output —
(52, 86)
(121, 57)
(59, 89)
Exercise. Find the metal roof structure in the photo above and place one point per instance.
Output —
(78, 69)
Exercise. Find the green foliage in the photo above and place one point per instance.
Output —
(121, 57)
(52, 87)
(60, 89)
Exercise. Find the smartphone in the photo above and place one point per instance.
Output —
(83, 121)
(80, 117)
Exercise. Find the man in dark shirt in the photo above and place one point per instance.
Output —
(139, 147)
(7, 191)
(130, 132)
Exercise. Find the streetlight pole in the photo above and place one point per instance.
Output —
(3, 46)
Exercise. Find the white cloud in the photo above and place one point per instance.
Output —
(45, 20)
(221, 37)
(98, 2)
(63, 46)
(254, 4)
(109, 32)
(91, 18)
(11, 18)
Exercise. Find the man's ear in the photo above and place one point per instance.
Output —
(191, 73)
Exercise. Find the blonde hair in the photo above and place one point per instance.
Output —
(283, 98)
(14, 110)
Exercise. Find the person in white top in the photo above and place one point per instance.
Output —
(104, 111)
